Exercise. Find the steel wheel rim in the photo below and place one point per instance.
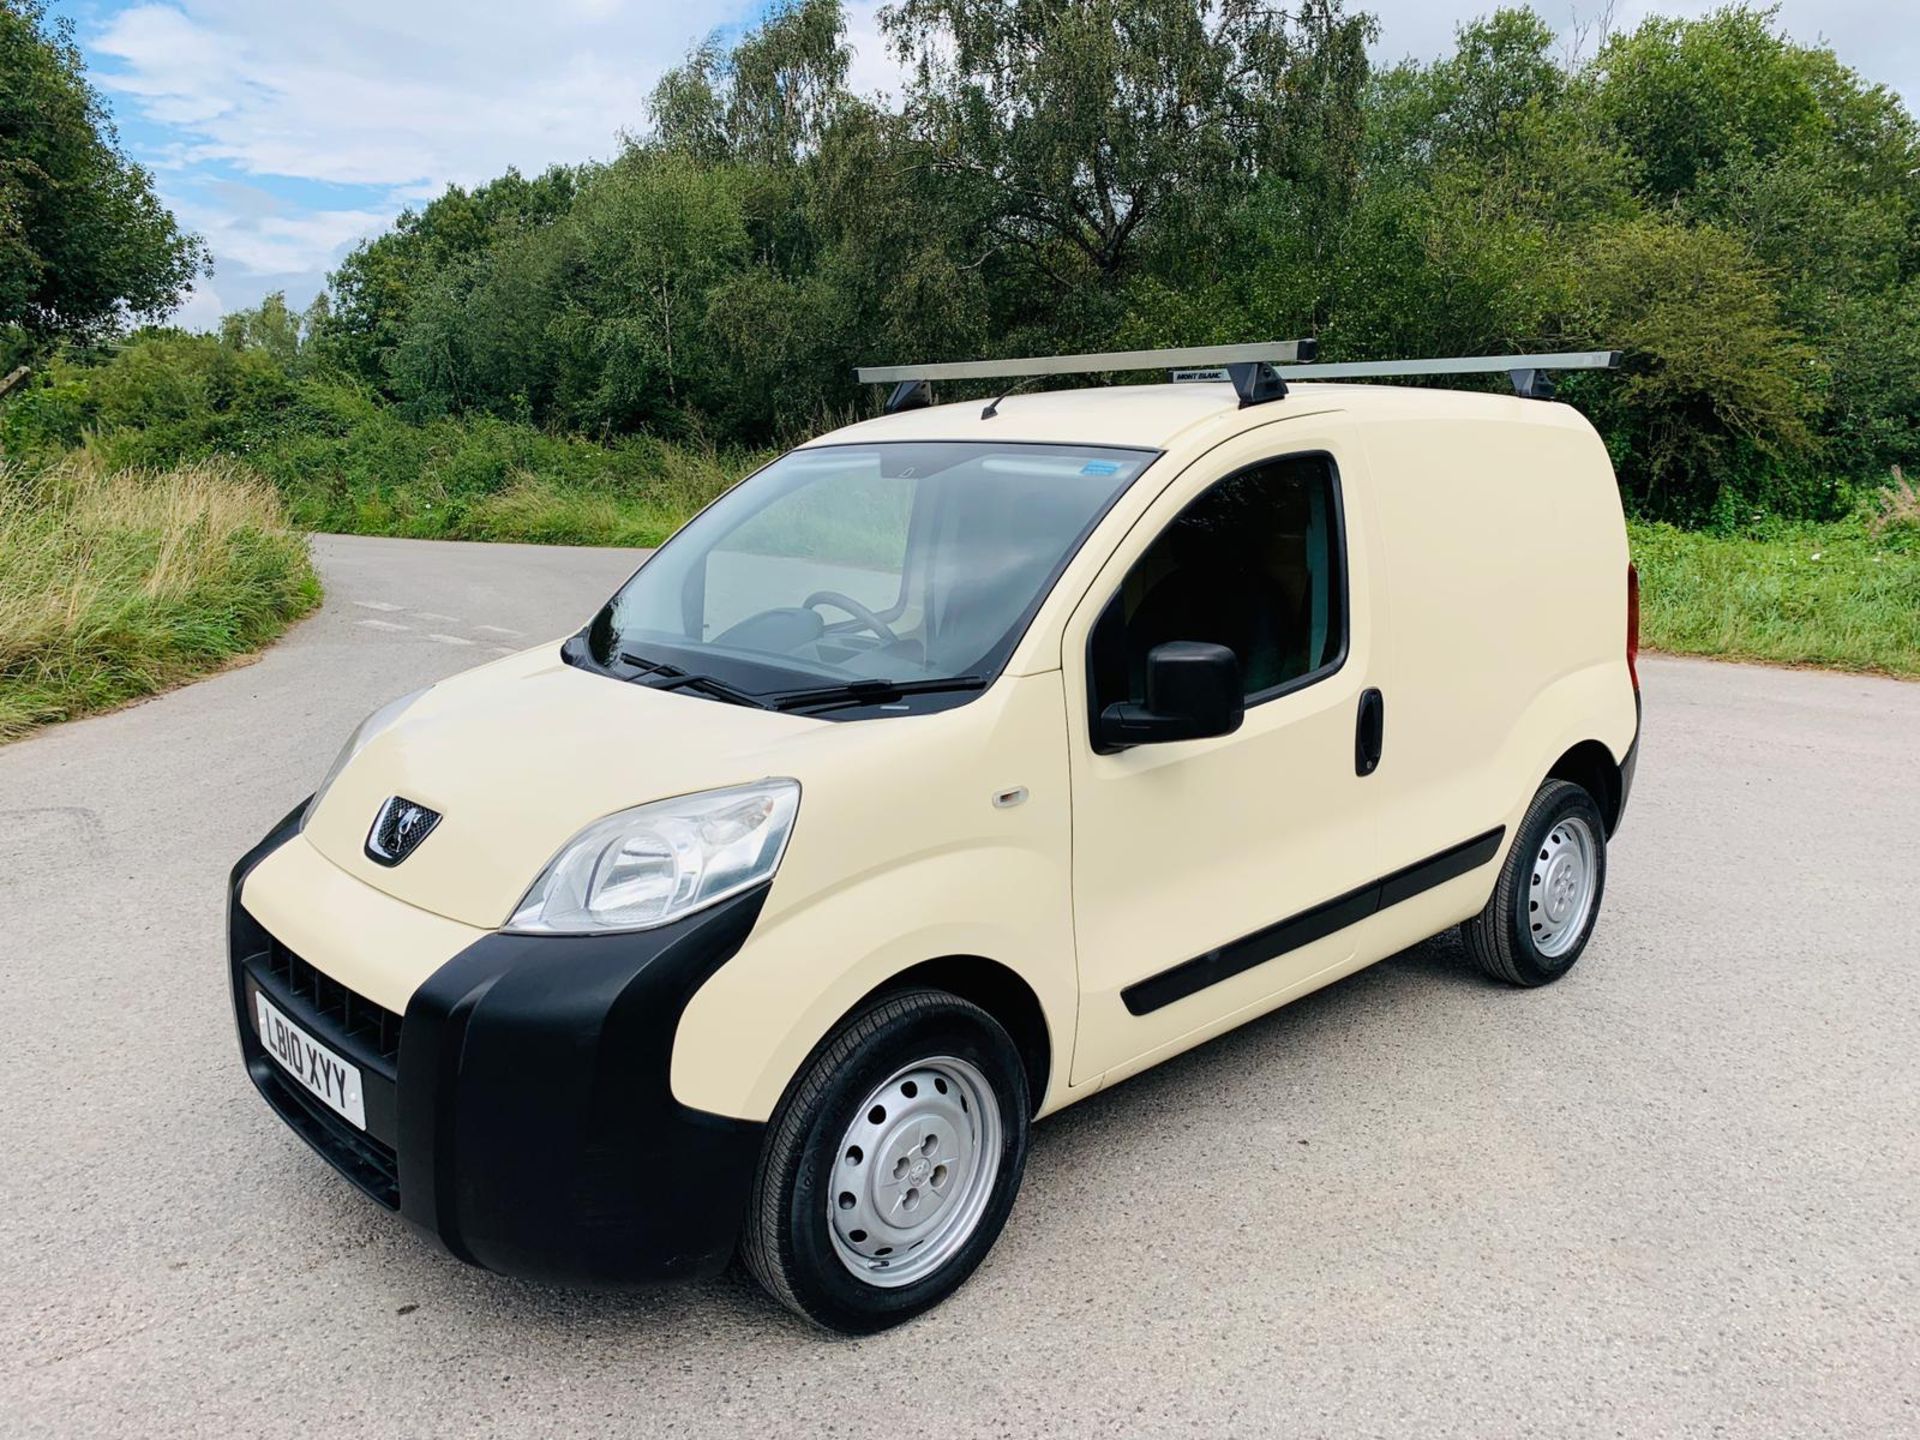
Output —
(909, 1187)
(1560, 895)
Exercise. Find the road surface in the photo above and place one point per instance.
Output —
(1678, 1193)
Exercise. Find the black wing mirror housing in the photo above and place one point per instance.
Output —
(1193, 693)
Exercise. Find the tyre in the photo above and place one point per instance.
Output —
(891, 1163)
(1548, 895)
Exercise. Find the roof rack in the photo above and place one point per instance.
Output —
(1250, 367)
(1259, 371)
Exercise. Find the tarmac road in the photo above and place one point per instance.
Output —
(1678, 1193)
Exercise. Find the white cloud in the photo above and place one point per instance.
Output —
(279, 242)
(873, 69)
(392, 94)
(202, 309)
(397, 99)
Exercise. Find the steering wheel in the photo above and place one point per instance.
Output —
(854, 608)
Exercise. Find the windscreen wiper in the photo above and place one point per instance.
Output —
(671, 677)
(872, 692)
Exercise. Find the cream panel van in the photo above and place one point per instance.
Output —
(952, 766)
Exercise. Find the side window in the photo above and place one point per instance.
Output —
(1254, 564)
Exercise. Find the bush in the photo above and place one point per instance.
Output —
(1717, 392)
(345, 461)
(164, 394)
(483, 478)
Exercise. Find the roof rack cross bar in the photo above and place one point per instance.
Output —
(1274, 352)
(1456, 365)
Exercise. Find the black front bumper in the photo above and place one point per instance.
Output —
(520, 1113)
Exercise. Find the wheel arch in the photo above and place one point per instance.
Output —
(741, 1046)
(1591, 766)
(997, 989)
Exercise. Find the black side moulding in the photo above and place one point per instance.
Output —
(1190, 977)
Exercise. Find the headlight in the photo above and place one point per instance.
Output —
(653, 864)
(361, 737)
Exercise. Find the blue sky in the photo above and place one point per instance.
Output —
(287, 130)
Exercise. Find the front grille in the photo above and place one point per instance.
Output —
(362, 1032)
(367, 1162)
(353, 1015)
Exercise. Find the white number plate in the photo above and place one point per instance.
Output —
(311, 1063)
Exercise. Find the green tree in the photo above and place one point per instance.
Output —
(653, 236)
(1072, 129)
(1501, 72)
(277, 329)
(1734, 125)
(1686, 97)
(376, 287)
(84, 241)
(767, 101)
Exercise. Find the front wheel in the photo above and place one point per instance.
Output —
(1547, 898)
(891, 1164)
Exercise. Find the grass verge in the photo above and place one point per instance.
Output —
(115, 585)
(1835, 595)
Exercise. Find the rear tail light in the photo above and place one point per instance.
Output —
(1633, 625)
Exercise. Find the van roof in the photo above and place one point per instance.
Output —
(1157, 416)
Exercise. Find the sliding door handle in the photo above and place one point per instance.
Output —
(1369, 733)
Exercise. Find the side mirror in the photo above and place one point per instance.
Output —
(1193, 691)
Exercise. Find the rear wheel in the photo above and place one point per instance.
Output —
(891, 1164)
(1547, 898)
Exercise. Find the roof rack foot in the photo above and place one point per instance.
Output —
(1256, 382)
(1532, 384)
(910, 395)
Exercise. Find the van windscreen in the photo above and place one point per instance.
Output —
(873, 567)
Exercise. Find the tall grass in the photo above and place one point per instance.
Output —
(114, 585)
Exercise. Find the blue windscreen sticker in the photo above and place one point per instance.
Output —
(1100, 467)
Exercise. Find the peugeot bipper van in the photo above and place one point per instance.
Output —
(952, 767)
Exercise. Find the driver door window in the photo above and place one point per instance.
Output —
(1254, 565)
